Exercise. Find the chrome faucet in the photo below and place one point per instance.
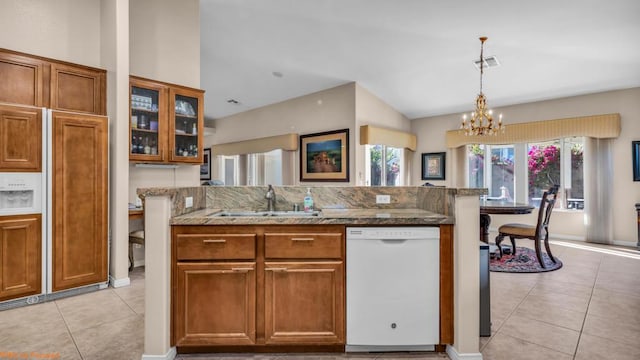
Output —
(271, 199)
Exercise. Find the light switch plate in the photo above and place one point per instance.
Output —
(188, 202)
(383, 199)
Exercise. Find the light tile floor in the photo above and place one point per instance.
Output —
(588, 310)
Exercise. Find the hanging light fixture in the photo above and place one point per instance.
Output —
(481, 120)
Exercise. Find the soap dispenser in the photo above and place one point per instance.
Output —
(308, 201)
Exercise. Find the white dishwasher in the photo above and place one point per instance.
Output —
(393, 288)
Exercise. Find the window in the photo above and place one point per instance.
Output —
(265, 168)
(259, 169)
(387, 172)
(557, 162)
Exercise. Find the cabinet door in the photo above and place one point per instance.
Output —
(20, 139)
(22, 79)
(79, 175)
(78, 89)
(148, 121)
(20, 256)
(304, 302)
(186, 123)
(215, 304)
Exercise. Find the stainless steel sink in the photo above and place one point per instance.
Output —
(294, 213)
(241, 213)
(266, 213)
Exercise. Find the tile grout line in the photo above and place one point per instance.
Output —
(509, 315)
(69, 330)
(584, 320)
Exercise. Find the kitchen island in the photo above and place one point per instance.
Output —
(341, 206)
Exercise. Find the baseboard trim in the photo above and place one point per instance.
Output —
(631, 244)
(117, 283)
(170, 355)
(455, 355)
(137, 263)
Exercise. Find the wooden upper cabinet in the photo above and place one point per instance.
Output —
(147, 124)
(38, 81)
(79, 196)
(186, 124)
(20, 139)
(166, 122)
(22, 79)
(78, 89)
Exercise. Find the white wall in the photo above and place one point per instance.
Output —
(625, 192)
(325, 110)
(165, 40)
(164, 44)
(370, 110)
(66, 30)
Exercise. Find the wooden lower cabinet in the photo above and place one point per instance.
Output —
(216, 304)
(258, 287)
(20, 256)
(303, 302)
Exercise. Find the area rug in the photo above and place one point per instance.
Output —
(525, 261)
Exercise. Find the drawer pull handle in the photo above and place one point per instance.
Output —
(277, 269)
(302, 239)
(242, 269)
(215, 241)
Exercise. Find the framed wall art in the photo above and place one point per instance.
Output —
(433, 166)
(325, 156)
(205, 167)
(635, 156)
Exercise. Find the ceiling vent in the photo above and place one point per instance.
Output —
(489, 62)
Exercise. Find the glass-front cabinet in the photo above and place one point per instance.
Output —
(185, 140)
(148, 124)
(166, 122)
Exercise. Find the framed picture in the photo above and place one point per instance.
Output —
(325, 156)
(433, 166)
(205, 168)
(635, 145)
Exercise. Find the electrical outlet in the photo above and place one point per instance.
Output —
(383, 199)
(188, 201)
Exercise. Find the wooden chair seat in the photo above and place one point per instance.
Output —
(135, 237)
(538, 232)
(524, 230)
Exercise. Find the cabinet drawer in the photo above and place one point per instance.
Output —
(303, 245)
(216, 246)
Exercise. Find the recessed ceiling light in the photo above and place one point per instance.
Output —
(233, 101)
(277, 74)
(489, 62)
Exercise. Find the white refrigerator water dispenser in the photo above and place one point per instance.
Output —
(20, 193)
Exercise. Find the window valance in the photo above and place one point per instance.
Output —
(371, 135)
(285, 142)
(596, 126)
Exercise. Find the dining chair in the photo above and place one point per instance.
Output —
(135, 237)
(532, 232)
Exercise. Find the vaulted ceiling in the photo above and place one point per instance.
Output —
(416, 55)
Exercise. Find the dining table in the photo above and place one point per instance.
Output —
(490, 207)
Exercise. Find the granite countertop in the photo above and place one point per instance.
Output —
(327, 216)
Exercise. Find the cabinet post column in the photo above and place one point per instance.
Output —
(157, 288)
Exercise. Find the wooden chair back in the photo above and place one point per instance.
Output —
(546, 207)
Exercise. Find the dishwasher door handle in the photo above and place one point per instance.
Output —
(393, 241)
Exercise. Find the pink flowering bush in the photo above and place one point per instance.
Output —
(544, 168)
